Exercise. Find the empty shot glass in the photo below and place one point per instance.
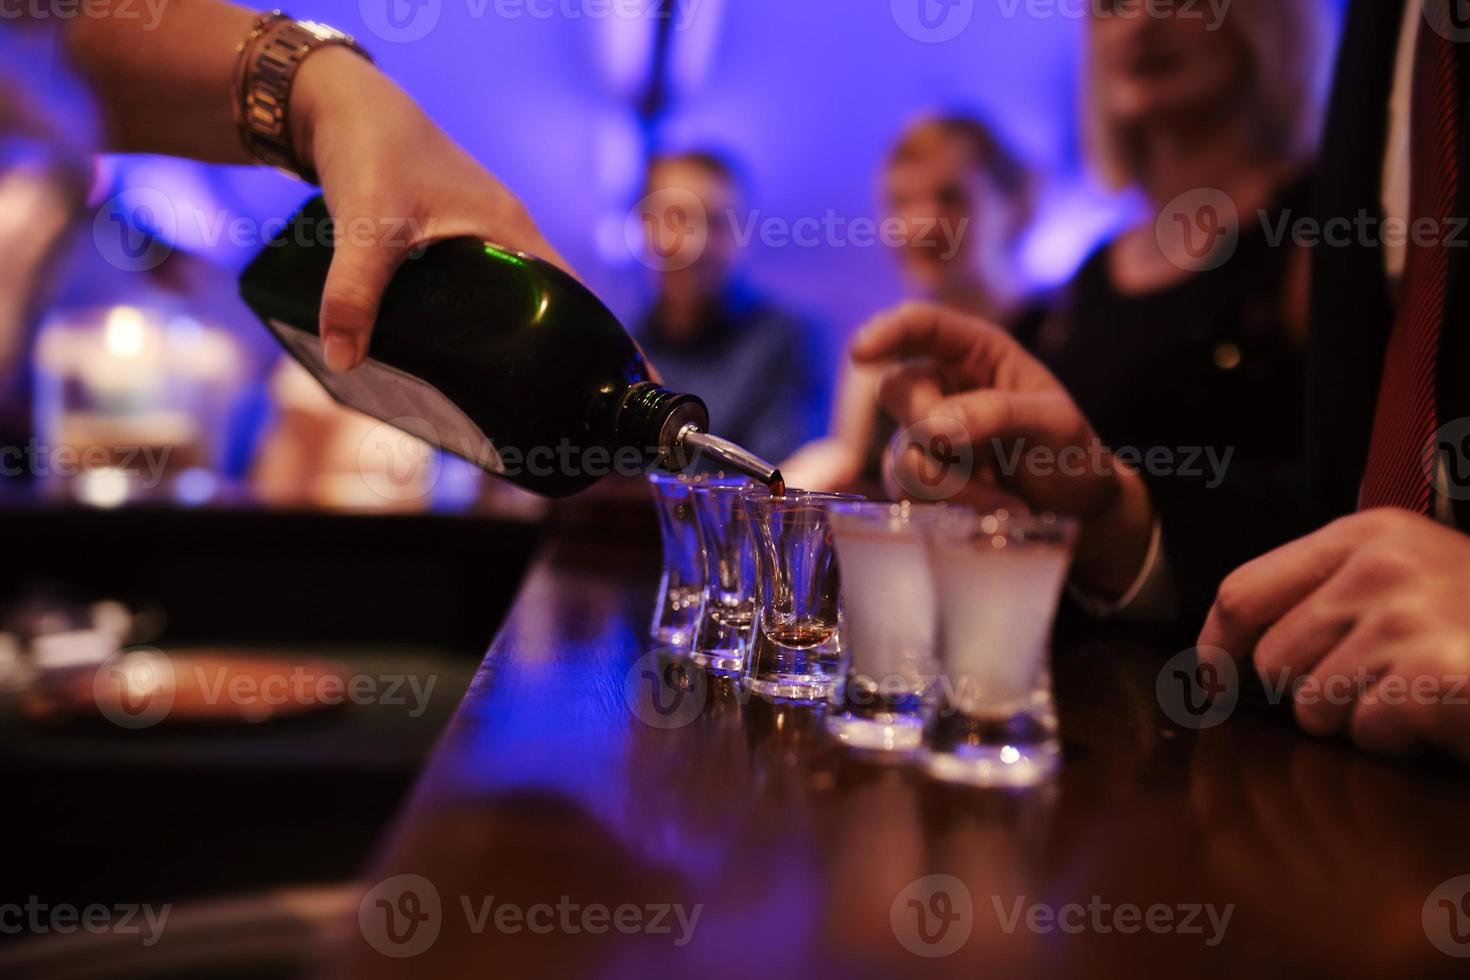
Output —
(888, 662)
(681, 586)
(727, 612)
(997, 580)
(795, 646)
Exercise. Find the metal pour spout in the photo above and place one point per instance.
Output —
(729, 455)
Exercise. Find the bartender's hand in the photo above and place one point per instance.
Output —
(961, 375)
(384, 165)
(1371, 615)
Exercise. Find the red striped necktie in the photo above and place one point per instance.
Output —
(1400, 454)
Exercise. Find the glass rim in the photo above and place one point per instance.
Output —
(666, 478)
(761, 502)
(1003, 527)
(792, 496)
(895, 517)
(723, 484)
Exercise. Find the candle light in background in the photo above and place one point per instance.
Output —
(130, 401)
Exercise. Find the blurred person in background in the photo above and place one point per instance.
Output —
(762, 371)
(1186, 333)
(1368, 606)
(44, 175)
(1183, 338)
(964, 198)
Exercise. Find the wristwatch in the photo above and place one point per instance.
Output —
(270, 56)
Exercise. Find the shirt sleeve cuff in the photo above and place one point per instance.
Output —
(1150, 599)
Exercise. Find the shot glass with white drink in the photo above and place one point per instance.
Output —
(889, 662)
(997, 580)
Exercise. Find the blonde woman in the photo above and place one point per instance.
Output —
(1174, 359)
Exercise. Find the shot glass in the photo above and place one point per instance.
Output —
(795, 646)
(889, 664)
(681, 587)
(997, 579)
(727, 612)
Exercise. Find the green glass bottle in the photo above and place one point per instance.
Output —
(495, 356)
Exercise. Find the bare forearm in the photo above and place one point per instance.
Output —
(165, 78)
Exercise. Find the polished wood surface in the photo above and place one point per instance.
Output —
(552, 786)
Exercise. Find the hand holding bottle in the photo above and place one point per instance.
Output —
(392, 180)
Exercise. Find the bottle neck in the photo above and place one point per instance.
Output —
(671, 427)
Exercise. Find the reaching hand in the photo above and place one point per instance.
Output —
(958, 378)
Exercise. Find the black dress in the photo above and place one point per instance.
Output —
(1204, 375)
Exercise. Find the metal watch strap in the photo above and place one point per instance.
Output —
(270, 70)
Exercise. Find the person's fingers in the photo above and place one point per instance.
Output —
(910, 391)
(991, 413)
(928, 330)
(358, 275)
(1260, 592)
(1383, 720)
(1304, 635)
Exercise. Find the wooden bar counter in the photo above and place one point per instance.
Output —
(562, 829)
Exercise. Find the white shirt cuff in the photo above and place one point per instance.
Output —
(1150, 599)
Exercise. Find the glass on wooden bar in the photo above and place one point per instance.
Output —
(997, 580)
